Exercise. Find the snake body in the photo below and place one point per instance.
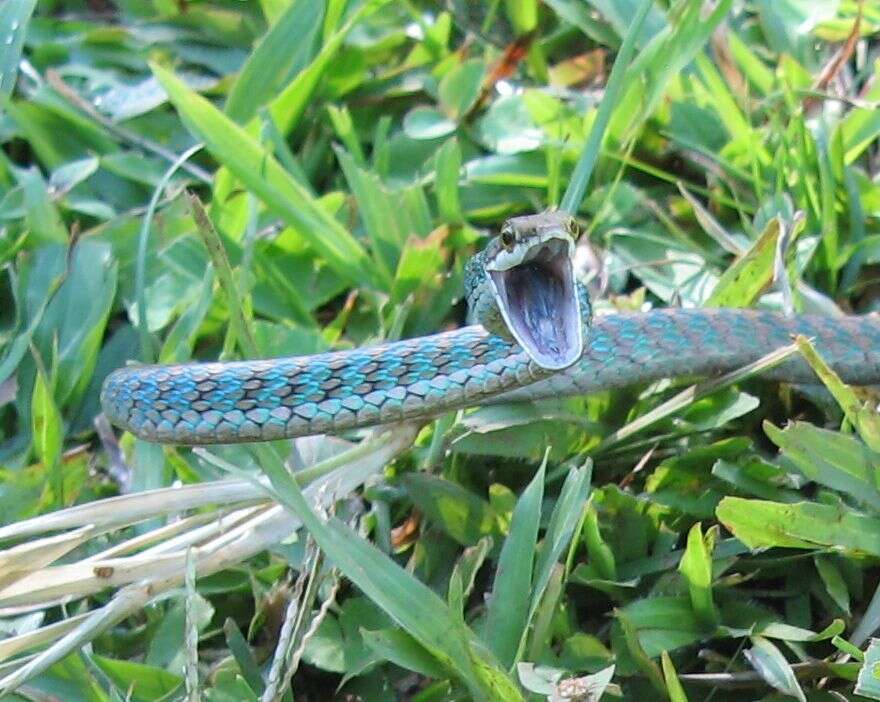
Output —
(207, 403)
(536, 339)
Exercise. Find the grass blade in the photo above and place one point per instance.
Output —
(235, 148)
(268, 66)
(508, 612)
(14, 18)
(577, 186)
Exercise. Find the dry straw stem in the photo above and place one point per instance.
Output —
(248, 524)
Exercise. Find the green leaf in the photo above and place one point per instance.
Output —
(447, 172)
(15, 16)
(76, 318)
(829, 458)
(420, 266)
(461, 582)
(745, 280)
(241, 651)
(48, 429)
(523, 14)
(601, 556)
(833, 581)
(180, 340)
(862, 415)
(507, 616)
(403, 650)
(868, 684)
(343, 125)
(263, 175)
(379, 210)
(760, 524)
(144, 683)
(673, 685)
(270, 64)
(786, 632)
(43, 219)
(696, 567)
(772, 666)
(287, 109)
(577, 185)
(564, 520)
(427, 123)
(460, 513)
(460, 88)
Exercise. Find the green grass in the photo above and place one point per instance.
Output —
(222, 179)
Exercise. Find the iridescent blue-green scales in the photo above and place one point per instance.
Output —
(420, 378)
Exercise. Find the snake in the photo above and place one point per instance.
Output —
(531, 335)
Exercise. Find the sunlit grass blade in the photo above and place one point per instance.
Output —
(239, 321)
(696, 566)
(288, 107)
(268, 66)
(264, 176)
(577, 185)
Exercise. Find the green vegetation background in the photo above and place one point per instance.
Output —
(350, 156)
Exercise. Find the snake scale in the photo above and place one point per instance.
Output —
(542, 344)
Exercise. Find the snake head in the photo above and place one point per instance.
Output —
(531, 272)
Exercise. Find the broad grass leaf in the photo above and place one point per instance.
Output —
(507, 615)
(77, 316)
(830, 458)
(772, 666)
(463, 578)
(15, 16)
(403, 650)
(459, 89)
(745, 280)
(144, 683)
(43, 218)
(860, 413)
(269, 66)
(761, 524)
(48, 427)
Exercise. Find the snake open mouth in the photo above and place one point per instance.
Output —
(539, 302)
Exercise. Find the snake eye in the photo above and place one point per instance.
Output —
(507, 238)
(573, 228)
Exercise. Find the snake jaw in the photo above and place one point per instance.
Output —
(535, 289)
